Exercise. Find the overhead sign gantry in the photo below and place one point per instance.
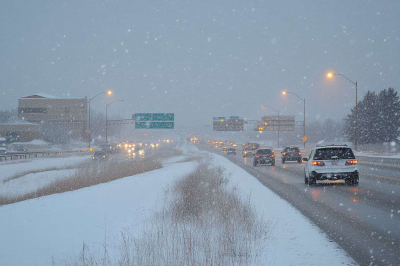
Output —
(233, 123)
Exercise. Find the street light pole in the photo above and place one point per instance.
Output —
(356, 115)
(107, 117)
(90, 132)
(356, 131)
(90, 99)
(304, 119)
(278, 119)
(304, 113)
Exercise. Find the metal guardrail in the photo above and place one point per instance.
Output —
(367, 159)
(27, 155)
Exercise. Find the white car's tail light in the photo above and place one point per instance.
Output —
(318, 163)
(351, 162)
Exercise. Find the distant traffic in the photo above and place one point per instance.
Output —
(325, 163)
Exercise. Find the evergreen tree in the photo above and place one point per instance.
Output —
(389, 115)
(368, 119)
(378, 118)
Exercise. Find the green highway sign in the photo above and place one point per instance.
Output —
(154, 125)
(154, 117)
(163, 117)
(233, 117)
(143, 117)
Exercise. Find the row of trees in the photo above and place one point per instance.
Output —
(378, 118)
(7, 116)
(329, 130)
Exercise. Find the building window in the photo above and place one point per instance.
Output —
(32, 110)
(12, 136)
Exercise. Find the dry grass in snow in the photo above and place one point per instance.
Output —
(203, 222)
(87, 174)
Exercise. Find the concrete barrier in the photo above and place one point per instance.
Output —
(379, 160)
(27, 155)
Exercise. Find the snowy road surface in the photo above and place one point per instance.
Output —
(364, 220)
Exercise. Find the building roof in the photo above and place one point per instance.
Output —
(40, 95)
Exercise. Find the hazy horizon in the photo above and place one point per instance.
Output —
(200, 59)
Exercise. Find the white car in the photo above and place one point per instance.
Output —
(331, 162)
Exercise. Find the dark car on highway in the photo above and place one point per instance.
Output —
(231, 151)
(264, 156)
(291, 154)
(100, 156)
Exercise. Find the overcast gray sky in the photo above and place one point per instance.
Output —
(200, 59)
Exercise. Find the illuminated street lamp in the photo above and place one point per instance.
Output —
(304, 113)
(266, 106)
(109, 92)
(107, 117)
(329, 76)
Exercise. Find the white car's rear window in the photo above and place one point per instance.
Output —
(328, 153)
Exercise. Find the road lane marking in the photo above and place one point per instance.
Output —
(384, 177)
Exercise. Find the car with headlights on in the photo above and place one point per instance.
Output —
(100, 156)
(250, 150)
(332, 163)
(264, 156)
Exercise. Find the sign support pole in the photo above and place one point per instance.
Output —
(279, 129)
(304, 125)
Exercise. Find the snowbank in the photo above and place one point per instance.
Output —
(32, 182)
(9, 168)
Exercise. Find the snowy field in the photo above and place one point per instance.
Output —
(41, 176)
(54, 228)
